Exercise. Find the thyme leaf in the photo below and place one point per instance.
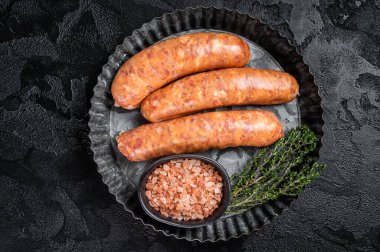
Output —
(283, 169)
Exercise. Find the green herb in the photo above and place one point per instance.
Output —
(284, 168)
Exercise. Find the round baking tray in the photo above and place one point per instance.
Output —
(269, 50)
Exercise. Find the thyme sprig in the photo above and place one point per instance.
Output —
(284, 168)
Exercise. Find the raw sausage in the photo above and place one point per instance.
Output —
(226, 87)
(172, 59)
(200, 132)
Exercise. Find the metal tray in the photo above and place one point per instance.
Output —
(268, 49)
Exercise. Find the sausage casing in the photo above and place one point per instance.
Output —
(172, 59)
(200, 132)
(226, 87)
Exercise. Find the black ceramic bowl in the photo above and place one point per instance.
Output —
(191, 223)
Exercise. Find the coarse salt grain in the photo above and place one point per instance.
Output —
(184, 189)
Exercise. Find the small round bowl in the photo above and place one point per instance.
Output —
(190, 223)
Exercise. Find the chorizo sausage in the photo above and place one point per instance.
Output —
(200, 132)
(172, 59)
(226, 87)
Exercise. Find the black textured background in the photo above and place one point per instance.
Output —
(51, 196)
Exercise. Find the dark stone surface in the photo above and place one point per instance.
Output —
(52, 198)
